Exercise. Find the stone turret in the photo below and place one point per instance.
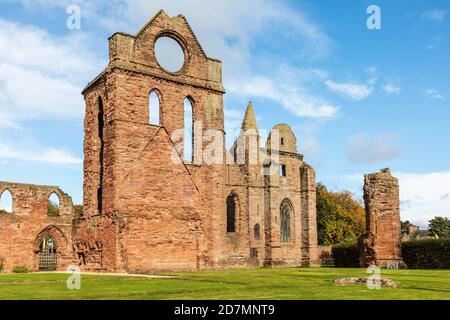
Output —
(246, 147)
(249, 121)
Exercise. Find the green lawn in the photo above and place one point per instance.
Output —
(264, 283)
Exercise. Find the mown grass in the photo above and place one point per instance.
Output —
(264, 283)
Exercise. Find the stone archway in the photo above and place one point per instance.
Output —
(50, 249)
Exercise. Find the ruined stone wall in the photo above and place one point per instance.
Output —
(309, 246)
(22, 230)
(156, 211)
(381, 244)
(158, 207)
(279, 189)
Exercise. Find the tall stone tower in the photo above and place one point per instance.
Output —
(143, 199)
(381, 244)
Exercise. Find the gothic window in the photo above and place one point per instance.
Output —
(188, 136)
(153, 108)
(6, 202)
(285, 217)
(231, 213)
(53, 205)
(257, 232)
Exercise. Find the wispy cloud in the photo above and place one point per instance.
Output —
(364, 149)
(230, 36)
(49, 156)
(291, 93)
(423, 196)
(389, 88)
(45, 73)
(352, 91)
(433, 94)
(437, 15)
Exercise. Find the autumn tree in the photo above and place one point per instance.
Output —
(339, 216)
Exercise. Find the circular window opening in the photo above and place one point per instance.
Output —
(169, 54)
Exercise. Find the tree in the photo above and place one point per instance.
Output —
(439, 226)
(52, 209)
(339, 216)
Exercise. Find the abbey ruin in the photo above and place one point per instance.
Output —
(149, 203)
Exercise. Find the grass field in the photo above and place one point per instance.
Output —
(264, 283)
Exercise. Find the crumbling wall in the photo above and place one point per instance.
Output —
(381, 243)
(22, 230)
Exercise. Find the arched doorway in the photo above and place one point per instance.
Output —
(47, 254)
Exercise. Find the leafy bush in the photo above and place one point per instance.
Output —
(20, 269)
(427, 253)
(346, 254)
(2, 261)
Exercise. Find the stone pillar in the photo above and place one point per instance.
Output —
(381, 244)
(309, 248)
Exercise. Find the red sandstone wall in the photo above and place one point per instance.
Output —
(382, 243)
(22, 230)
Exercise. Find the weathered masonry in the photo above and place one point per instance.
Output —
(381, 245)
(161, 192)
(36, 231)
(151, 202)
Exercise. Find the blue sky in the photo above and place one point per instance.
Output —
(358, 99)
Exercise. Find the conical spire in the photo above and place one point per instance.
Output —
(249, 122)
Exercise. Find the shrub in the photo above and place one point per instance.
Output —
(20, 269)
(2, 261)
(346, 254)
(427, 253)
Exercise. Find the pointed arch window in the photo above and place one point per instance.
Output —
(53, 205)
(188, 136)
(285, 220)
(154, 108)
(231, 213)
(6, 202)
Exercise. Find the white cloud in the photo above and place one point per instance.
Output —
(6, 123)
(44, 74)
(433, 94)
(290, 94)
(391, 89)
(437, 15)
(352, 91)
(229, 36)
(424, 196)
(50, 156)
(364, 149)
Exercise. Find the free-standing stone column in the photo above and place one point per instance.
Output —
(381, 244)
